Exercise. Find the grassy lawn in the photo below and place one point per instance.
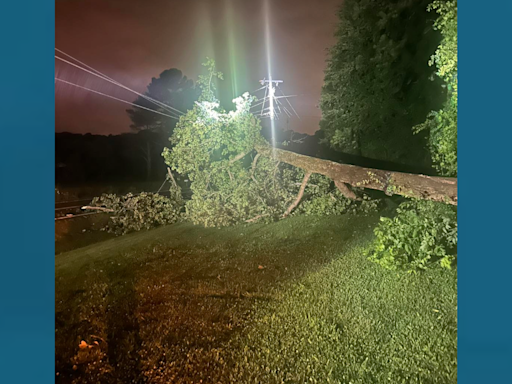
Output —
(290, 302)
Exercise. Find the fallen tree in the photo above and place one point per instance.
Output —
(443, 189)
(212, 147)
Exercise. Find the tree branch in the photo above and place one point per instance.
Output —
(299, 196)
(253, 167)
(238, 157)
(97, 208)
(345, 190)
(256, 218)
(171, 177)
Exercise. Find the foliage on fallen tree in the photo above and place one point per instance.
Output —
(442, 124)
(136, 212)
(421, 235)
(230, 182)
(210, 146)
(324, 199)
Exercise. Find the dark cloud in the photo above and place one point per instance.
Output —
(134, 40)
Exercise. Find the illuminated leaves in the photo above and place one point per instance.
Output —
(143, 211)
(210, 146)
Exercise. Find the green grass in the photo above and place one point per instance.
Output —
(353, 322)
(294, 301)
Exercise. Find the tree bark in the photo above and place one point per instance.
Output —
(256, 218)
(238, 157)
(299, 196)
(171, 177)
(442, 189)
(345, 190)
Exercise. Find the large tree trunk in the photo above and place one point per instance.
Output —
(406, 184)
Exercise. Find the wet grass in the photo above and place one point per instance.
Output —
(184, 304)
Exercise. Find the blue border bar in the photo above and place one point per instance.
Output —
(27, 304)
(27, 184)
(485, 143)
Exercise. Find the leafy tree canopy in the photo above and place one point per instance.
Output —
(442, 125)
(424, 233)
(230, 183)
(170, 88)
(206, 145)
(378, 83)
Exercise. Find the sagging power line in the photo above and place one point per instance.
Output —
(102, 76)
(115, 98)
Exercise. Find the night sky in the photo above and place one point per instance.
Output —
(133, 41)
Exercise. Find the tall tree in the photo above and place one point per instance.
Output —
(442, 125)
(378, 83)
(172, 89)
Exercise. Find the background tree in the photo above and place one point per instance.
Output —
(424, 233)
(172, 89)
(378, 83)
(442, 125)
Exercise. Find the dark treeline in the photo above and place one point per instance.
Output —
(316, 145)
(85, 159)
(378, 81)
(134, 157)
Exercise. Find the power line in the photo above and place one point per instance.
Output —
(119, 84)
(259, 103)
(160, 104)
(290, 104)
(115, 98)
(85, 65)
(104, 77)
(264, 98)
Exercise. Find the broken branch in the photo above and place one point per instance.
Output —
(299, 196)
(345, 190)
(238, 157)
(97, 208)
(253, 166)
(256, 218)
(171, 176)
